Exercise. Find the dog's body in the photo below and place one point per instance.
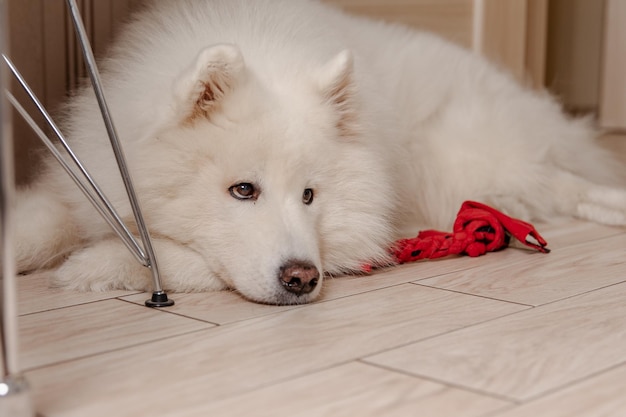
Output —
(274, 141)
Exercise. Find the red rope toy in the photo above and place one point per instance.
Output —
(478, 229)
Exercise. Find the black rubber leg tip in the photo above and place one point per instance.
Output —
(159, 299)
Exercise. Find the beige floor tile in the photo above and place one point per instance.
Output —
(601, 396)
(34, 294)
(528, 353)
(220, 307)
(204, 366)
(87, 329)
(568, 232)
(354, 389)
(535, 278)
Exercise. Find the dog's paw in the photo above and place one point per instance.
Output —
(109, 265)
(44, 230)
(104, 266)
(605, 205)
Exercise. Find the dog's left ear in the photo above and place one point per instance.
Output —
(337, 86)
(201, 88)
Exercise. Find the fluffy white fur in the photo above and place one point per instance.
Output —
(391, 128)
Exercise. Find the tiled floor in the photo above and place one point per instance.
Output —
(509, 334)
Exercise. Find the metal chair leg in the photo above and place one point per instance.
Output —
(143, 252)
(159, 297)
(15, 396)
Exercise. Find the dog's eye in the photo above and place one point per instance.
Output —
(307, 196)
(244, 191)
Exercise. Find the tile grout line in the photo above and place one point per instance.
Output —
(530, 306)
(580, 294)
(519, 303)
(81, 303)
(104, 352)
(614, 232)
(574, 382)
(165, 311)
(396, 284)
(445, 333)
(555, 391)
(510, 400)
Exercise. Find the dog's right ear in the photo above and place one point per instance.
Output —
(336, 83)
(200, 89)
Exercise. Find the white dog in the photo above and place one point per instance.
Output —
(275, 141)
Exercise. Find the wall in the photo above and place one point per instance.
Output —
(450, 18)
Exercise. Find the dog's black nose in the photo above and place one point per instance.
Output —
(299, 277)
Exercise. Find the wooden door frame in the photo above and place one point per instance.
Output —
(513, 34)
(612, 112)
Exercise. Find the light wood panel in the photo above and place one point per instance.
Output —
(36, 295)
(84, 330)
(534, 278)
(601, 396)
(353, 390)
(567, 232)
(222, 307)
(527, 354)
(212, 364)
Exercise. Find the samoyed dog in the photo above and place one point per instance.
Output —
(276, 142)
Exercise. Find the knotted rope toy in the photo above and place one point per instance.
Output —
(478, 229)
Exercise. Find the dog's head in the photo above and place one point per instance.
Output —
(274, 181)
